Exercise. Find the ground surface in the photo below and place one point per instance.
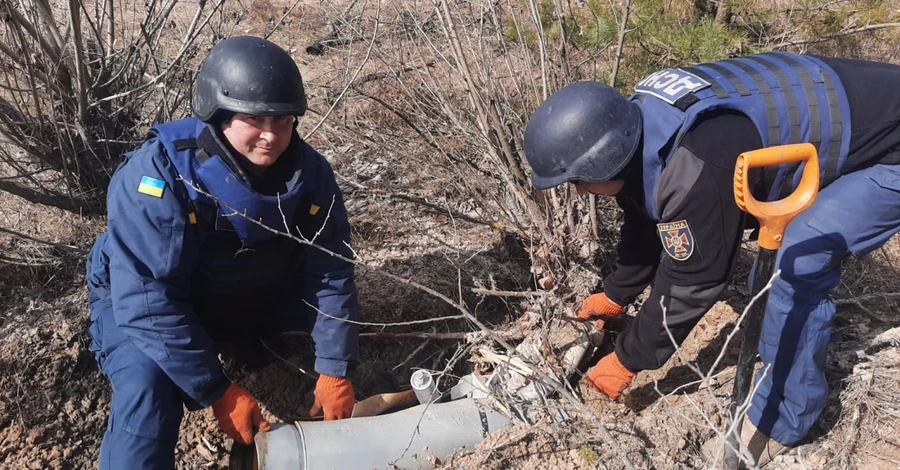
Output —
(54, 401)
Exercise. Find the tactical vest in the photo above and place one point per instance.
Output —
(790, 99)
(244, 266)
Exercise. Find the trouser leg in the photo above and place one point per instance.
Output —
(146, 406)
(856, 214)
(145, 413)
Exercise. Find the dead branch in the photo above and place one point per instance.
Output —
(427, 138)
(840, 34)
(512, 335)
(369, 77)
(456, 336)
(30, 262)
(441, 210)
(81, 73)
(465, 313)
(866, 298)
(318, 46)
(23, 236)
(280, 21)
(506, 293)
(490, 125)
(352, 77)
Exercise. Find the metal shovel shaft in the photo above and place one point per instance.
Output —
(752, 326)
(773, 220)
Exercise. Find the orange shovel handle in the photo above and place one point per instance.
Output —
(774, 216)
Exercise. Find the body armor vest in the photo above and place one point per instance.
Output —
(789, 98)
(244, 266)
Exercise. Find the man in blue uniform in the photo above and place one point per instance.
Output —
(667, 153)
(193, 254)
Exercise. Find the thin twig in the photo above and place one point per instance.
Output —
(44, 242)
(458, 306)
(867, 297)
(454, 336)
(282, 359)
(355, 74)
(840, 34)
(443, 210)
(507, 293)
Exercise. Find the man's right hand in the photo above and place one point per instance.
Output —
(238, 414)
(333, 398)
(610, 376)
(598, 306)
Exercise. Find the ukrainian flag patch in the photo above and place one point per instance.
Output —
(151, 186)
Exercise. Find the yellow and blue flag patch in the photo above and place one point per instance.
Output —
(151, 186)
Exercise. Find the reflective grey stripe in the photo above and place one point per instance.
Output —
(766, 93)
(787, 184)
(720, 91)
(732, 78)
(809, 91)
(790, 98)
(834, 114)
(834, 148)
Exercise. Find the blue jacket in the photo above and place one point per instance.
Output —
(790, 98)
(191, 254)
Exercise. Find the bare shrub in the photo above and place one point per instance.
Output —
(81, 82)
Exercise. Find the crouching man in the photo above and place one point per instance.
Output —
(192, 255)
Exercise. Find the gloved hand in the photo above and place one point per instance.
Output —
(610, 376)
(334, 397)
(597, 306)
(238, 414)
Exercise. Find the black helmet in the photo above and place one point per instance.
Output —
(585, 131)
(245, 74)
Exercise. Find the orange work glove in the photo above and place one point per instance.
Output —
(238, 414)
(334, 396)
(599, 305)
(610, 376)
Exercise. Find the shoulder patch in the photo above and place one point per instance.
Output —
(152, 186)
(677, 239)
(670, 84)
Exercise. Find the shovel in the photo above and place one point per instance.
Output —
(773, 219)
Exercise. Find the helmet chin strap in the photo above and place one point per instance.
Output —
(220, 117)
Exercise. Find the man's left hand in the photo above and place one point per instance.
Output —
(334, 398)
(238, 414)
(610, 376)
(599, 306)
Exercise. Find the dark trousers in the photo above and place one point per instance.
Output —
(147, 407)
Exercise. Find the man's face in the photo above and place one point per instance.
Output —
(606, 188)
(261, 139)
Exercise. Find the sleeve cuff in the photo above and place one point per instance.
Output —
(212, 390)
(335, 367)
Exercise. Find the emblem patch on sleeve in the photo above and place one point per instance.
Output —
(151, 186)
(677, 239)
